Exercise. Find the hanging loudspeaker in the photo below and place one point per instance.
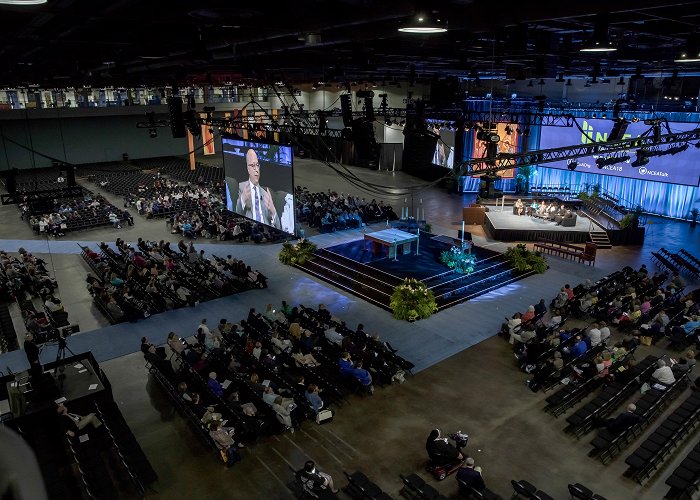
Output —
(177, 121)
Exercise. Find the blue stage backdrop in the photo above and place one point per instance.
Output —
(672, 200)
(681, 168)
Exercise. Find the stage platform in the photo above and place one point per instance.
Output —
(505, 226)
(354, 267)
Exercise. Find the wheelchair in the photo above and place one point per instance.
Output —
(441, 468)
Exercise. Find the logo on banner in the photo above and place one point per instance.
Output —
(657, 173)
(589, 135)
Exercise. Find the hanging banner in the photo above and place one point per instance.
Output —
(507, 144)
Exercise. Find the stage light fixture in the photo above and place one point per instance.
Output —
(572, 165)
(611, 160)
(152, 133)
(568, 82)
(22, 3)
(425, 24)
(642, 158)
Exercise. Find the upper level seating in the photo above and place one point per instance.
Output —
(179, 169)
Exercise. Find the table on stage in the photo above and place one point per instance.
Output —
(392, 239)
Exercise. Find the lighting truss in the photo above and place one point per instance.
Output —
(504, 161)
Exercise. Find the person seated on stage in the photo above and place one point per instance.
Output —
(519, 206)
(552, 211)
(75, 423)
(543, 209)
(562, 210)
(534, 207)
(440, 450)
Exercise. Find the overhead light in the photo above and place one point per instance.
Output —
(572, 165)
(621, 81)
(599, 41)
(22, 2)
(691, 51)
(611, 160)
(642, 158)
(424, 24)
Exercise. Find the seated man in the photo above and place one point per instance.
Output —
(314, 480)
(663, 374)
(623, 421)
(75, 423)
(347, 367)
(470, 476)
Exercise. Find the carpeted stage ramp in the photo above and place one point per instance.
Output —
(352, 267)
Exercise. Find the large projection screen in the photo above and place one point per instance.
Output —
(260, 181)
(682, 168)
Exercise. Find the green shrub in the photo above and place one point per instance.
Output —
(521, 259)
(412, 300)
(299, 253)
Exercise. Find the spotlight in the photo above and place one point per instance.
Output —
(152, 133)
(691, 52)
(611, 160)
(572, 165)
(642, 159)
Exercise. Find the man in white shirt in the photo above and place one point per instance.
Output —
(594, 334)
(663, 374)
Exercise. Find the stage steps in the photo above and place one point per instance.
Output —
(334, 275)
(600, 238)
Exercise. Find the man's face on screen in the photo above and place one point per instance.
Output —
(251, 160)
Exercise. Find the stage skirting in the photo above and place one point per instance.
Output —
(511, 234)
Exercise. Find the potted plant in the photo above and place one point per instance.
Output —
(293, 254)
(522, 180)
(412, 300)
(521, 259)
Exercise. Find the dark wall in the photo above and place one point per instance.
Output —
(80, 140)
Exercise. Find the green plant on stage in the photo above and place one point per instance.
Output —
(521, 259)
(459, 260)
(412, 300)
(427, 228)
(292, 254)
(631, 219)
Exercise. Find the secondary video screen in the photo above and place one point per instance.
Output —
(682, 168)
(260, 181)
(445, 146)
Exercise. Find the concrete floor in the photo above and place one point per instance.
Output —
(467, 379)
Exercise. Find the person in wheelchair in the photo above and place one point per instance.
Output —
(440, 451)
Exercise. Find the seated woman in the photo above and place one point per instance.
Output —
(302, 359)
(520, 207)
(440, 450)
(534, 207)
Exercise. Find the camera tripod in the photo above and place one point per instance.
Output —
(60, 356)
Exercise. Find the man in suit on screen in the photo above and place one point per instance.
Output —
(254, 200)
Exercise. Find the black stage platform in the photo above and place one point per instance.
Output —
(505, 226)
(354, 267)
